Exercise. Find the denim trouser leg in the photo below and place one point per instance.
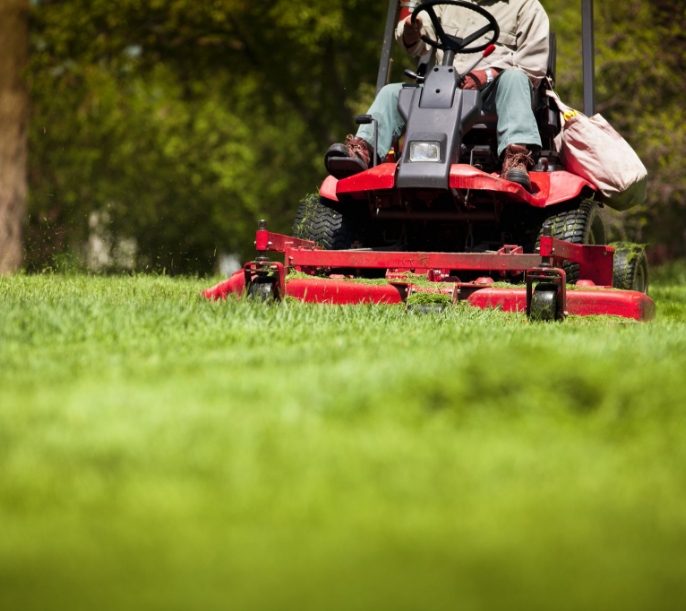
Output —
(385, 111)
(510, 97)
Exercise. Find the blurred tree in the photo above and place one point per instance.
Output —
(181, 123)
(178, 123)
(14, 15)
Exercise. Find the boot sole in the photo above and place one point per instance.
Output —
(520, 177)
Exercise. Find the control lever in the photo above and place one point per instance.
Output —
(417, 77)
(487, 51)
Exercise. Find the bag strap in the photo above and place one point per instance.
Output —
(566, 112)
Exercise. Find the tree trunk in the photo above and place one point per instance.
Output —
(14, 42)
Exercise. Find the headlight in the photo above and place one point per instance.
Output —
(425, 151)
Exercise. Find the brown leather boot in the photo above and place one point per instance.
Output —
(515, 163)
(352, 157)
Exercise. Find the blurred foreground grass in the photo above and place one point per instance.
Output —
(161, 452)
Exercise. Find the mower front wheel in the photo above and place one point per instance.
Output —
(262, 289)
(544, 303)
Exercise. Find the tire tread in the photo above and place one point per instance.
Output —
(317, 221)
(573, 226)
(625, 265)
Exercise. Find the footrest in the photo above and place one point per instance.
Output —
(342, 167)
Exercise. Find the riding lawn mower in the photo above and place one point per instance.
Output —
(436, 218)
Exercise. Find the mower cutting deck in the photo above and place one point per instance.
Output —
(333, 277)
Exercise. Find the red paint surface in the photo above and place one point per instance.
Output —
(374, 179)
(278, 242)
(235, 284)
(405, 261)
(341, 292)
(595, 262)
(627, 304)
(262, 241)
(563, 186)
(463, 176)
(328, 188)
(547, 188)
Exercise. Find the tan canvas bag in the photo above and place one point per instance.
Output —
(592, 149)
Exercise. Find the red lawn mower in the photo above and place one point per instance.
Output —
(442, 221)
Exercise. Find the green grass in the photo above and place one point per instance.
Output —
(161, 452)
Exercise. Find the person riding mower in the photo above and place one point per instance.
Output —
(506, 81)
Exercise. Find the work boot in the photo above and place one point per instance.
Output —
(352, 157)
(515, 163)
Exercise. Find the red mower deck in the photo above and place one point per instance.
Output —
(332, 277)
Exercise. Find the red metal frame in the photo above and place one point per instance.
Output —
(595, 262)
(276, 242)
(547, 188)
(595, 268)
(419, 262)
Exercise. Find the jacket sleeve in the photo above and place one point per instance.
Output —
(420, 47)
(533, 29)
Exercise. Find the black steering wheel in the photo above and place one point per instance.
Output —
(446, 42)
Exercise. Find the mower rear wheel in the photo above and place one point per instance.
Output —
(630, 268)
(582, 225)
(318, 221)
(544, 303)
(262, 289)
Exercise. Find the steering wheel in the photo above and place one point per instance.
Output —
(446, 42)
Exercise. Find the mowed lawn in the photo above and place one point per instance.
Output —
(161, 452)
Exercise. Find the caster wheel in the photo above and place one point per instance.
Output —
(544, 303)
(262, 289)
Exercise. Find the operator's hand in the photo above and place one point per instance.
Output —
(412, 32)
(476, 79)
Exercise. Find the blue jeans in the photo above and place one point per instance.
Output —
(509, 96)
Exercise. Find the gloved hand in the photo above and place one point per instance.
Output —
(477, 79)
(412, 32)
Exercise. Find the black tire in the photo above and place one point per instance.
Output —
(582, 225)
(318, 221)
(544, 303)
(262, 289)
(630, 267)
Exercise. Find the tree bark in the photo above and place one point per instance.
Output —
(14, 44)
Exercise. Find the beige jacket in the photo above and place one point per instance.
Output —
(523, 40)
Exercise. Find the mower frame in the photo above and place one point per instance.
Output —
(328, 276)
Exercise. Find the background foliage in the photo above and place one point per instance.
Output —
(174, 125)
